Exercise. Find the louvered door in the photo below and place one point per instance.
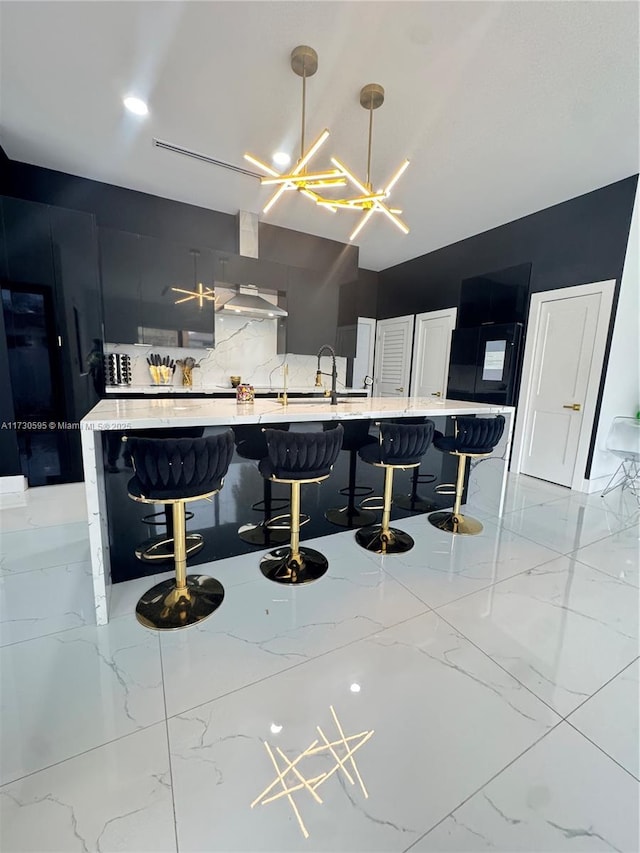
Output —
(392, 364)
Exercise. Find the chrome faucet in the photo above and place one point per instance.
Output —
(334, 373)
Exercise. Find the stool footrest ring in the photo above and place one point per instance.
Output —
(375, 503)
(160, 548)
(445, 489)
(357, 491)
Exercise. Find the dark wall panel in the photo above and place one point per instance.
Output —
(576, 242)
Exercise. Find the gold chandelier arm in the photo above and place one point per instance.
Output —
(274, 198)
(363, 221)
(396, 177)
(293, 177)
(314, 148)
(396, 221)
(364, 190)
(255, 162)
(181, 290)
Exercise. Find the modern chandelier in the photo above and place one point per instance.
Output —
(304, 63)
(314, 185)
(370, 202)
(200, 292)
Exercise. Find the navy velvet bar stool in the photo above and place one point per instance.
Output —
(251, 444)
(175, 472)
(473, 438)
(296, 458)
(399, 446)
(356, 436)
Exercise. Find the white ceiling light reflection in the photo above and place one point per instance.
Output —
(354, 688)
(135, 105)
(275, 729)
(281, 158)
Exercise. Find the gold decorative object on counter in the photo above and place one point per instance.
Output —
(187, 365)
(235, 381)
(245, 393)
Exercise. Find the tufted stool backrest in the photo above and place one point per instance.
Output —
(168, 468)
(301, 455)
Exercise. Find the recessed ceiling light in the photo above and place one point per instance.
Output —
(281, 158)
(355, 688)
(136, 105)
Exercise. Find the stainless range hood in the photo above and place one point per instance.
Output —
(249, 303)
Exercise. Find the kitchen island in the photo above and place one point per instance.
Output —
(148, 414)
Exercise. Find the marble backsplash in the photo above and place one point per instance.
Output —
(245, 348)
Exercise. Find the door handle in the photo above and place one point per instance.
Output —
(436, 394)
(399, 389)
(574, 406)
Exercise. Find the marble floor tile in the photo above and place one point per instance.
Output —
(551, 800)
(45, 601)
(263, 627)
(69, 692)
(563, 629)
(443, 567)
(113, 798)
(610, 718)
(564, 525)
(60, 545)
(617, 555)
(445, 720)
(521, 493)
(46, 506)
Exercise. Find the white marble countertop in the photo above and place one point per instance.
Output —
(149, 413)
(221, 389)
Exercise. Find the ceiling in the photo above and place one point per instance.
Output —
(503, 108)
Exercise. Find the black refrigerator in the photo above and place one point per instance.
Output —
(485, 364)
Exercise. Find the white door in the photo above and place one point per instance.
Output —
(392, 363)
(431, 349)
(365, 345)
(562, 364)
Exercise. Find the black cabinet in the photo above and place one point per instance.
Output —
(75, 260)
(29, 259)
(165, 266)
(121, 285)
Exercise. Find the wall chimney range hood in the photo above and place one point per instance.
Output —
(247, 302)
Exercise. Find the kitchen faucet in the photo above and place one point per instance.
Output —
(334, 372)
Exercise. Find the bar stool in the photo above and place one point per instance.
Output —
(399, 446)
(251, 444)
(160, 548)
(296, 458)
(174, 472)
(356, 436)
(414, 502)
(473, 438)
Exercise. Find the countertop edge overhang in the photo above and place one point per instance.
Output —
(150, 413)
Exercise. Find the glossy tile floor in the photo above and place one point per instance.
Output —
(498, 674)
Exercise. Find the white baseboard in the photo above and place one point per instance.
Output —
(10, 485)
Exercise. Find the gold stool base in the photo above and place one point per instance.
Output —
(414, 504)
(394, 542)
(161, 548)
(344, 517)
(278, 566)
(165, 609)
(456, 523)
